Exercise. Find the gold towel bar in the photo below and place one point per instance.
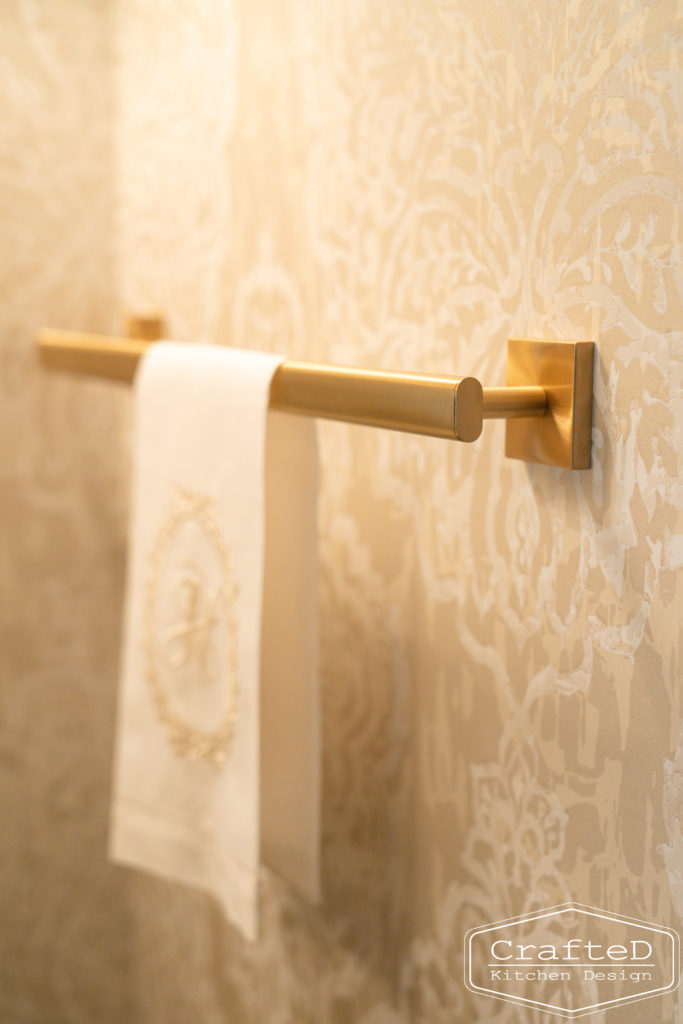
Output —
(549, 393)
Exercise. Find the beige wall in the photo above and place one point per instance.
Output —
(396, 183)
(64, 927)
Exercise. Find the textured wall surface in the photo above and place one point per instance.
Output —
(64, 930)
(391, 183)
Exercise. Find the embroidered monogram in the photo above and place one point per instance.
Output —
(191, 638)
(190, 633)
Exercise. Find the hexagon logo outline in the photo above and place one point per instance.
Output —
(586, 910)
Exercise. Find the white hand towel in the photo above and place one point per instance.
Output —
(217, 745)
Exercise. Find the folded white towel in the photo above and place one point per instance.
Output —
(217, 747)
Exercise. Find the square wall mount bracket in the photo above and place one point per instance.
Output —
(564, 369)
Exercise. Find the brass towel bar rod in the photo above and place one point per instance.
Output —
(440, 406)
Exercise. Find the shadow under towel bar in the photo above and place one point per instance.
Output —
(547, 400)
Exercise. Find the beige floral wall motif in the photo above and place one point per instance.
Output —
(392, 183)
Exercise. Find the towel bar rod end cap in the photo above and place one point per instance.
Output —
(467, 411)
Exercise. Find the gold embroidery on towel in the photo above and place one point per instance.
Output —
(190, 631)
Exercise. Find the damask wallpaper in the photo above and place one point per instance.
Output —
(389, 183)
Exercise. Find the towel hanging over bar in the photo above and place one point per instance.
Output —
(547, 400)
